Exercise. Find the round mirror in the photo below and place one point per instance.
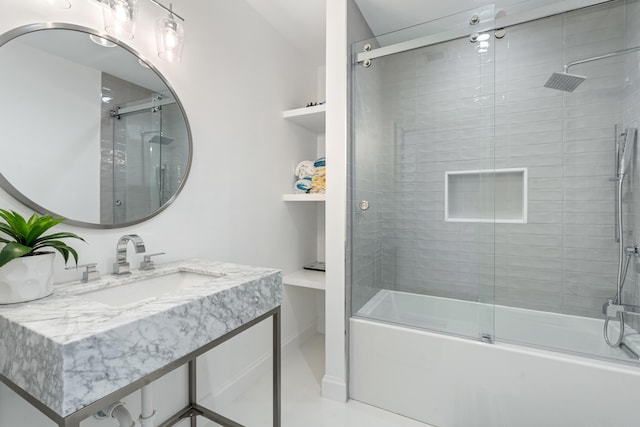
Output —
(91, 131)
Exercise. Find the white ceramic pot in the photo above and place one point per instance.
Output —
(26, 278)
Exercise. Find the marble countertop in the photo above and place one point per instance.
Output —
(68, 351)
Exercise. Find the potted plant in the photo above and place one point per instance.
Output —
(26, 267)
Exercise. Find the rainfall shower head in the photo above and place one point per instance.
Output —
(569, 82)
(564, 81)
(159, 139)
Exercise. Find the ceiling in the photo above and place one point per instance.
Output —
(385, 16)
(302, 22)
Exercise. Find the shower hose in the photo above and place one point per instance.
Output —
(623, 265)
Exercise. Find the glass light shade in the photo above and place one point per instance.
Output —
(120, 17)
(62, 4)
(170, 38)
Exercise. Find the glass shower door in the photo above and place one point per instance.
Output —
(423, 177)
(148, 167)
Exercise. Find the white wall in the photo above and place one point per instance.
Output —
(345, 25)
(236, 77)
(38, 111)
(334, 381)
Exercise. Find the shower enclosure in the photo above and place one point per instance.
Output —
(141, 167)
(491, 203)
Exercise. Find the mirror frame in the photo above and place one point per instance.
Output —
(16, 194)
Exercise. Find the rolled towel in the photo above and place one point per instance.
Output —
(305, 169)
(303, 185)
(320, 162)
(318, 182)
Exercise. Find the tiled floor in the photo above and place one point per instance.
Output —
(302, 404)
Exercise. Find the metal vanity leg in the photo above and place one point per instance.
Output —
(192, 389)
(277, 386)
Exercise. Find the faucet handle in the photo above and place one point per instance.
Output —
(146, 263)
(91, 272)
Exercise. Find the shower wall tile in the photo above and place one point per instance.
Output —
(632, 118)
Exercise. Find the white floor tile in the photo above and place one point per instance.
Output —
(302, 404)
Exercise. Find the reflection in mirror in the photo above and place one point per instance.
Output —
(91, 132)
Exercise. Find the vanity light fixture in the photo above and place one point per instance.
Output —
(120, 20)
(62, 4)
(170, 35)
(120, 17)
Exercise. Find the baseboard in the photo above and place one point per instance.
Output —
(232, 389)
(334, 388)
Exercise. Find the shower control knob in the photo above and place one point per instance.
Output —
(118, 203)
(364, 205)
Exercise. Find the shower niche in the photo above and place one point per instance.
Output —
(488, 195)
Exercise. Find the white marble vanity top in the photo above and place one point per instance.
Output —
(68, 351)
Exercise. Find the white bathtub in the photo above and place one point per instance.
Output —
(448, 381)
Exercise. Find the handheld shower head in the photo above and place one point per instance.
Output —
(626, 151)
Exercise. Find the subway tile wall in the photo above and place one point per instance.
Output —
(449, 107)
(631, 117)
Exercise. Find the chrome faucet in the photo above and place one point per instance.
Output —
(121, 266)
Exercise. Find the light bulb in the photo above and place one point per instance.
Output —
(120, 13)
(170, 39)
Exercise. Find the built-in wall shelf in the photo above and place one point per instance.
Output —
(304, 197)
(305, 278)
(488, 195)
(312, 118)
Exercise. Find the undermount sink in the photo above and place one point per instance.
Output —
(145, 288)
